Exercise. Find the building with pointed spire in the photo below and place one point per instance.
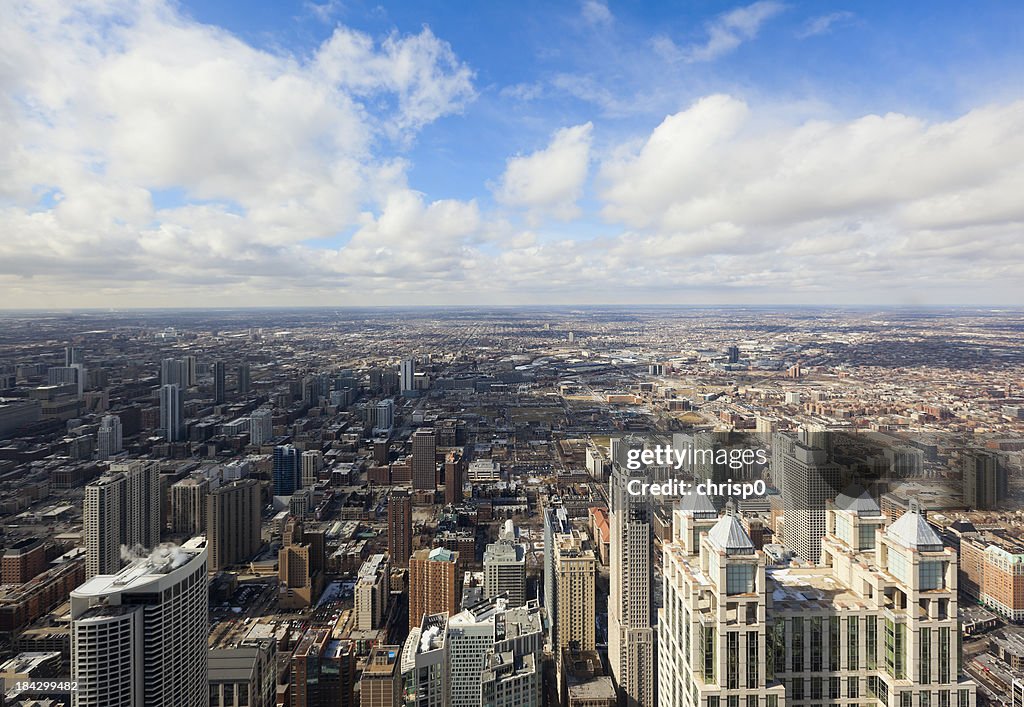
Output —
(875, 623)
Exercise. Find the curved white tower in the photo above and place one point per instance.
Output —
(139, 637)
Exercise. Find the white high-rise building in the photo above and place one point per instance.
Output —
(382, 416)
(425, 662)
(312, 463)
(372, 591)
(139, 637)
(172, 412)
(488, 628)
(505, 567)
(630, 634)
(407, 375)
(173, 372)
(109, 437)
(875, 624)
(261, 426)
(121, 508)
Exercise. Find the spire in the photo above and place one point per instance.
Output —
(728, 534)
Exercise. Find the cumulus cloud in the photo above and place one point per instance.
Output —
(549, 182)
(890, 198)
(136, 136)
(727, 32)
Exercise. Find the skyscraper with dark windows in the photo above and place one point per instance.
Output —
(219, 391)
(399, 527)
(286, 470)
(244, 381)
(424, 465)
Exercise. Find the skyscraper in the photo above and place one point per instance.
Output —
(233, 523)
(630, 635)
(505, 567)
(424, 465)
(243, 378)
(261, 426)
(487, 628)
(433, 583)
(985, 479)
(406, 375)
(139, 637)
(454, 475)
(173, 372)
(101, 525)
(172, 412)
(188, 505)
(120, 508)
(73, 355)
(190, 371)
(286, 470)
(109, 438)
(372, 591)
(810, 480)
(219, 380)
(882, 625)
(312, 462)
(399, 527)
(575, 576)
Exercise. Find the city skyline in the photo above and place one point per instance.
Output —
(587, 153)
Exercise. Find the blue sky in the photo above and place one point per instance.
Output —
(530, 152)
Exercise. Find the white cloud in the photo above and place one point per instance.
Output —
(823, 24)
(888, 200)
(596, 12)
(105, 105)
(727, 32)
(549, 182)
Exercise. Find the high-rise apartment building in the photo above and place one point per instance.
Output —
(381, 682)
(382, 416)
(139, 637)
(188, 505)
(323, 670)
(575, 570)
(191, 371)
(875, 623)
(407, 375)
(424, 464)
(172, 412)
(110, 437)
(220, 394)
(173, 372)
(425, 665)
(243, 378)
(485, 629)
(630, 633)
(985, 480)
(120, 508)
(312, 463)
(434, 584)
(261, 426)
(286, 470)
(505, 567)
(233, 513)
(372, 591)
(244, 675)
(399, 527)
(454, 477)
(810, 480)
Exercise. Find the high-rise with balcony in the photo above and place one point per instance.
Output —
(139, 637)
(399, 527)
